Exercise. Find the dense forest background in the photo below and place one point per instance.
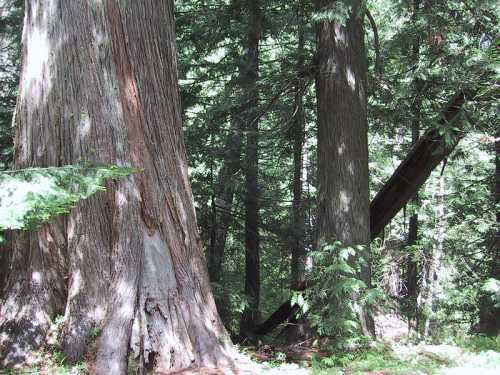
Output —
(249, 74)
(420, 54)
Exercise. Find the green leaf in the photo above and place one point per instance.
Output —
(30, 197)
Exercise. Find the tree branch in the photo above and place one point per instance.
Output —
(378, 62)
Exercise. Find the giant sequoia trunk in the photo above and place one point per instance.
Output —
(99, 85)
(343, 196)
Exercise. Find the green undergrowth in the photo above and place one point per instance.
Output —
(378, 358)
(479, 343)
(51, 367)
(478, 353)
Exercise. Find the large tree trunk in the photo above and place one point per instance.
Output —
(99, 85)
(249, 77)
(343, 196)
(5, 259)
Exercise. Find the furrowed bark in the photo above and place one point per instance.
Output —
(5, 259)
(99, 84)
(34, 292)
(343, 193)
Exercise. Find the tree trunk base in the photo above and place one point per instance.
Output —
(168, 326)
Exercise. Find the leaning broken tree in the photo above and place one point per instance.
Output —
(425, 155)
(99, 85)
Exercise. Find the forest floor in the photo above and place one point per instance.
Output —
(395, 360)
(382, 359)
(386, 359)
(391, 354)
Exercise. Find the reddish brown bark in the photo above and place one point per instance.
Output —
(99, 84)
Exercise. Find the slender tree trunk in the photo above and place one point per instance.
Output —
(224, 194)
(343, 196)
(298, 134)
(489, 315)
(432, 264)
(223, 212)
(299, 329)
(249, 77)
(99, 84)
(411, 264)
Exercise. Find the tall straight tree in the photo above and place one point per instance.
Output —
(299, 329)
(343, 193)
(298, 260)
(99, 85)
(249, 74)
(489, 312)
(411, 264)
(224, 195)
